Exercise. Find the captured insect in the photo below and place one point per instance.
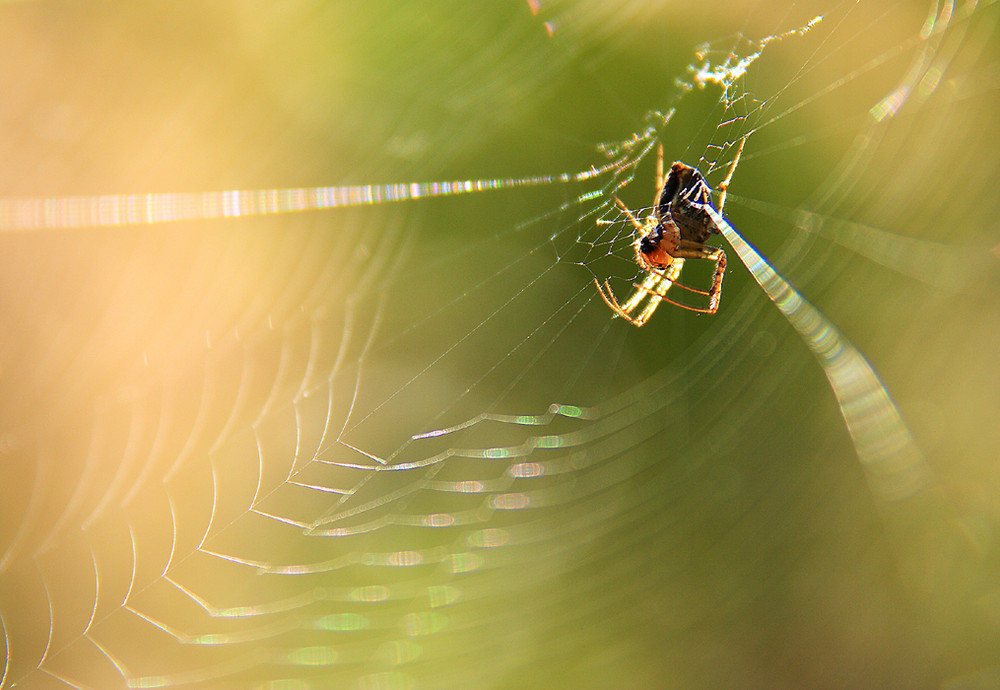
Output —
(676, 230)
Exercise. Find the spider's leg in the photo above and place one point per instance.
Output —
(659, 168)
(688, 250)
(608, 295)
(713, 295)
(724, 185)
(609, 299)
(648, 286)
(632, 218)
(673, 271)
(715, 292)
(656, 290)
(701, 251)
(709, 310)
(659, 288)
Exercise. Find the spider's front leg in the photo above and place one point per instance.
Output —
(653, 289)
(696, 250)
(609, 299)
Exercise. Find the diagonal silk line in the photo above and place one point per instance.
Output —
(893, 463)
(112, 210)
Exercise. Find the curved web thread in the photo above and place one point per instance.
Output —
(859, 393)
(240, 436)
(426, 567)
(893, 463)
(143, 592)
(318, 655)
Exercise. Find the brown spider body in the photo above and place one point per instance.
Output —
(656, 248)
(676, 230)
(682, 201)
(679, 212)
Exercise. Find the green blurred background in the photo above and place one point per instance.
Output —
(188, 409)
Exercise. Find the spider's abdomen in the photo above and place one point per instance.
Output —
(648, 245)
(657, 247)
(694, 222)
(682, 201)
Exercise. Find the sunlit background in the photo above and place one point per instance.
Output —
(404, 444)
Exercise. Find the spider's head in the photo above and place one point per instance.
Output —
(655, 248)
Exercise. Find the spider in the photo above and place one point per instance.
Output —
(676, 230)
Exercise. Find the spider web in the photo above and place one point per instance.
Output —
(406, 444)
